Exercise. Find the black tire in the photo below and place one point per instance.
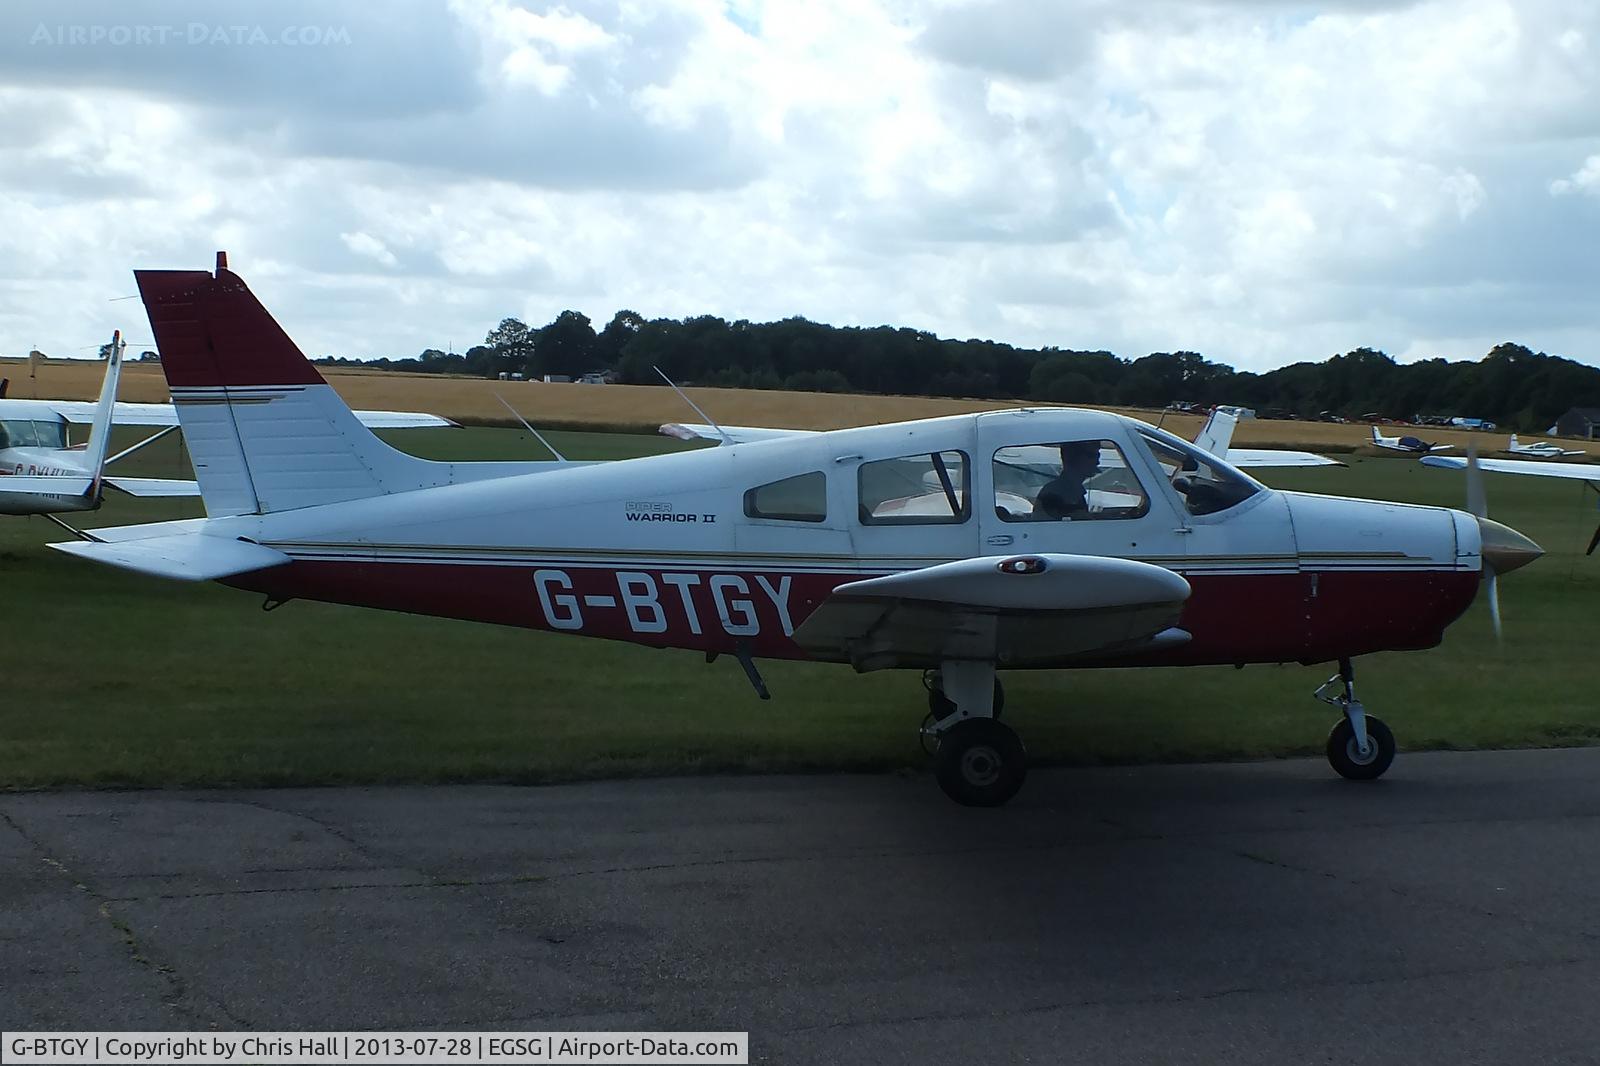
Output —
(1344, 756)
(941, 706)
(980, 762)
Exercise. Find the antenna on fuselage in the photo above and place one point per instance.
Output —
(696, 407)
(552, 449)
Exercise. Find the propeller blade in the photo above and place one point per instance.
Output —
(1594, 541)
(1477, 499)
(1494, 603)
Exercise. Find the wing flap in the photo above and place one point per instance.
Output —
(1018, 611)
(184, 557)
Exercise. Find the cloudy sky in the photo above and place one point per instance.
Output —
(1261, 180)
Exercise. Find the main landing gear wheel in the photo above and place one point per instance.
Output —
(1346, 756)
(941, 707)
(980, 762)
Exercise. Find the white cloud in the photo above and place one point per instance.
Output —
(1585, 180)
(369, 246)
(1263, 181)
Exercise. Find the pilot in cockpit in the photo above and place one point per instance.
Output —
(1065, 496)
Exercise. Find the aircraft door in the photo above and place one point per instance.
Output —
(1240, 555)
(1073, 491)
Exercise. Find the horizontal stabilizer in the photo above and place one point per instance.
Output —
(735, 434)
(154, 486)
(184, 557)
(1246, 458)
(81, 412)
(46, 486)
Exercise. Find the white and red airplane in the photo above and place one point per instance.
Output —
(935, 545)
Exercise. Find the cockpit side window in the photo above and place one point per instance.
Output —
(927, 489)
(1074, 481)
(802, 498)
(51, 434)
(1206, 483)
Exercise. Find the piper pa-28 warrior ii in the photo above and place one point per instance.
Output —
(924, 545)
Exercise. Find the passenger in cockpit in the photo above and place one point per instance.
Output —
(1065, 496)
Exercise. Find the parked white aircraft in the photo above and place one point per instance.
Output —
(44, 474)
(40, 474)
(1541, 449)
(1410, 445)
(932, 545)
(1585, 472)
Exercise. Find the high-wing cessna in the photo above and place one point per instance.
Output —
(44, 474)
(40, 474)
(1541, 449)
(937, 545)
(1585, 472)
(1411, 445)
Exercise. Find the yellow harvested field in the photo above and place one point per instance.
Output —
(644, 406)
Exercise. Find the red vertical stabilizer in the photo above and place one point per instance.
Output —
(196, 316)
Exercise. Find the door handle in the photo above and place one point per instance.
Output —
(999, 540)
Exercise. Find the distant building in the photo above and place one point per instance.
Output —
(1579, 422)
(599, 377)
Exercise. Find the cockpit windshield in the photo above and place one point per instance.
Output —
(20, 433)
(1206, 483)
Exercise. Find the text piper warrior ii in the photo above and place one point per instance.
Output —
(956, 546)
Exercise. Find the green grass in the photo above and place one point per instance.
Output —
(115, 679)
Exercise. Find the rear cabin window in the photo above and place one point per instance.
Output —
(802, 498)
(1066, 481)
(915, 490)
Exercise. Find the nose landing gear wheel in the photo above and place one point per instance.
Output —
(1346, 756)
(980, 762)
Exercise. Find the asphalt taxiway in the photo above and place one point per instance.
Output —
(1259, 912)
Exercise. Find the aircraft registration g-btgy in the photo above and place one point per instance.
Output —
(959, 545)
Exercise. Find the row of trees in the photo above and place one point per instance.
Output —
(1511, 385)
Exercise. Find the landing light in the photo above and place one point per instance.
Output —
(1023, 564)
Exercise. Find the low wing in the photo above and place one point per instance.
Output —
(1575, 471)
(1259, 457)
(184, 556)
(1013, 611)
(154, 486)
(737, 434)
(81, 412)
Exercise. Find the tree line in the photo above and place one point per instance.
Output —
(1511, 385)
